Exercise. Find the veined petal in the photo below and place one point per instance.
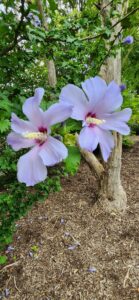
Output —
(75, 96)
(88, 139)
(116, 121)
(17, 142)
(31, 169)
(106, 142)
(111, 100)
(95, 88)
(21, 126)
(56, 113)
(52, 152)
(31, 107)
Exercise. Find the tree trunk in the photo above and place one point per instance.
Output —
(112, 195)
(52, 80)
(51, 73)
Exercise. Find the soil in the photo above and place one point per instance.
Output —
(67, 248)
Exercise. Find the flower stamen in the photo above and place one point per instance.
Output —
(90, 120)
(35, 135)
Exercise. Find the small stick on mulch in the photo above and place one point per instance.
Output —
(8, 266)
(126, 277)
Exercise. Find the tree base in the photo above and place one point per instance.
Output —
(115, 202)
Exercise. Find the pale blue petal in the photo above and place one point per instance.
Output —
(17, 142)
(116, 121)
(52, 151)
(75, 96)
(106, 142)
(111, 101)
(88, 139)
(95, 89)
(31, 108)
(31, 169)
(56, 113)
(21, 126)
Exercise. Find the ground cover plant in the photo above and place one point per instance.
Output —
(58, 46)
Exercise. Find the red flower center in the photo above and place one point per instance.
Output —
(91, 115)
(42, 140)
(42, 129)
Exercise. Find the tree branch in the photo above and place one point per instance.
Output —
(17, 31)
(92, 161)
(109, 51)
(126, 16)
(119, 21)
(42, 14)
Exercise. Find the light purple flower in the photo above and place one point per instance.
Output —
(62, 221)
(92, 270)
(10, 249)
(128, 39)
(34, 19)
(35, 133)
(122, 87)
(95, 107)
(73, 247)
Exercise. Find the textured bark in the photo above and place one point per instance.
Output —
(92, 161)
(51, 73)
(112, 195)
(50, 63)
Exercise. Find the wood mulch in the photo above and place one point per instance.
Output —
(66, 248)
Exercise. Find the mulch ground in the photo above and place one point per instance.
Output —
(66, 248)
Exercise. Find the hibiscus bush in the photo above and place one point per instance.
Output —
(71, 42)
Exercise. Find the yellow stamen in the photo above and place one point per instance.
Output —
(35, 135)
(91, 120)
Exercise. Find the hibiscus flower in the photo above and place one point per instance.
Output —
(35, 133)
(95, 106)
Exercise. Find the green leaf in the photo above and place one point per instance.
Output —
(3, 259)
(72, 162)
(4, 125)
(73, 125)
(69, 139)
(53, 5)
(70, 39)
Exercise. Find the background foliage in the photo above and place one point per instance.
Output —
(25, 47)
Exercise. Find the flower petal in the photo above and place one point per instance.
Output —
(106, 141)
(73, 95)
(95, 88)
(56, 113)
(111, 100)
(52, 152)
(21, 126)
(116, 121)
(31, 107)
(17, 142)
(31, 169)
(88, 139)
